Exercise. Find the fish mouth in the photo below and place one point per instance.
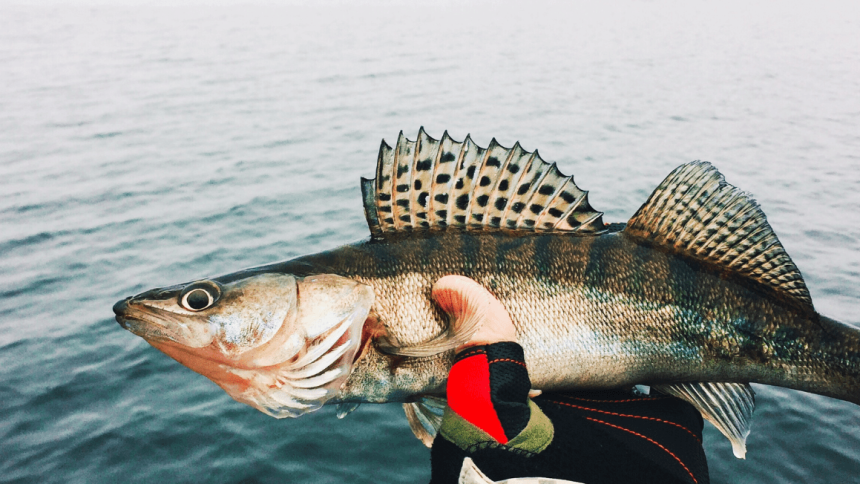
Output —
(143, 321)
(120, 309)
(125, 315)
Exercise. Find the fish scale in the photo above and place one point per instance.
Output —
(610, 324)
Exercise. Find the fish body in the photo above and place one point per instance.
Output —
(591, 312)
(694, 294)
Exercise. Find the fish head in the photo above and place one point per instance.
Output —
(281, 343)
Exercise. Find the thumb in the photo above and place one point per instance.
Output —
(462, 298)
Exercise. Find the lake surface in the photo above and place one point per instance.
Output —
(143, 146)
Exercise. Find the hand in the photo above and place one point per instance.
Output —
(457, 295)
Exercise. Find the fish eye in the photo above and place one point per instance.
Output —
(199, 296)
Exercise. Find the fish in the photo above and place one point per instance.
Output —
(694, 296)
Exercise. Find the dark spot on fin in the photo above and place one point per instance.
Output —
(463, 202)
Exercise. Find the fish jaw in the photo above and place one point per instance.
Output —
(239, 317)
(279, 343)
(154, 322)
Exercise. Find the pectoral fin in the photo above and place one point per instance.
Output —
(344, 409)
(729, 406)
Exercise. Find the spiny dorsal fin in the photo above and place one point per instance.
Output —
(433, 184)
(694, 212)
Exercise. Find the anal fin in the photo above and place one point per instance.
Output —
(728, 406)
(425, 417)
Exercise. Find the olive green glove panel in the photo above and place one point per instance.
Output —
(533, 439)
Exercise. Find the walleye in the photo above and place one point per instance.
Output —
(694, 295)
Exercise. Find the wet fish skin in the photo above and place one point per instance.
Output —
(591, 312)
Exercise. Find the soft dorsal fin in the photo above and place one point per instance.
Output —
(442, 184)
(694, 212)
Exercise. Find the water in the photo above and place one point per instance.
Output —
(143, 146)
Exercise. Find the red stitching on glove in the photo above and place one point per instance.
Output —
(649, 440)
(631, 416)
